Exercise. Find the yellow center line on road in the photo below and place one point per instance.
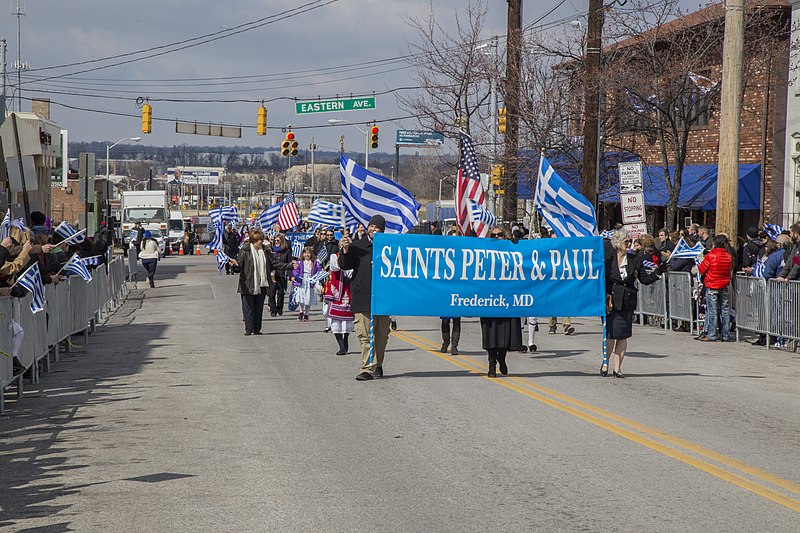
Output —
(564, 406)
(677, 441)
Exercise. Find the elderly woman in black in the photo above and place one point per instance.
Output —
(499, 335)
(623, 270)
(255, 266)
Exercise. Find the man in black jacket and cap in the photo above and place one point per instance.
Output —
(357, 255)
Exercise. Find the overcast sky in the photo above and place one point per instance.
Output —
(345, 32)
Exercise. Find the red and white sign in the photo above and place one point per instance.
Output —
(632, 204)
(635, 230)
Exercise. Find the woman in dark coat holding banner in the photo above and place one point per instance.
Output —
(499, 335)
(623, 270)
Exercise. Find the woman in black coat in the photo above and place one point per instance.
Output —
(281, 253)
(499, 335)
(623, 270)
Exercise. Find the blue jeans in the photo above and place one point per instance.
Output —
(717, 300)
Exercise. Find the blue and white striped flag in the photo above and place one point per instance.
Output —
(31, 281)
(269, 216)
(773, 230)
(479, 214)
(318, 277)
(222, 260)
(567, 212)
(327, 213)
(684, 251)
(607, 234)
(760, 268)
(76, 266)
(366, 194)
(223, 215)
(95, 260)
(649, 265)
(297, 249)
(322, 256)
(216, 240)
(70, 234)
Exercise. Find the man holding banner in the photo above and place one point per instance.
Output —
(357, 255)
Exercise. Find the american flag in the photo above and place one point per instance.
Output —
(469, 189)
(288, 218)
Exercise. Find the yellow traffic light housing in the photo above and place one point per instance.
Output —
(501, 120)
(496, 175)
(373, 137)
(147, 118)
(289, 145)
(261, 125)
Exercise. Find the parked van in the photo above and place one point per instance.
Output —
(177, 230)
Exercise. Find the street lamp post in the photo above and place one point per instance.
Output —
(366, 135)
(108, 176)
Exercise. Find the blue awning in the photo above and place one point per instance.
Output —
(698, 188)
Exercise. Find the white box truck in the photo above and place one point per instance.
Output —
(151, 208)
(177, 230)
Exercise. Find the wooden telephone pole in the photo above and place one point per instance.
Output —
(513, 55)
(591, 114)
(730, 120)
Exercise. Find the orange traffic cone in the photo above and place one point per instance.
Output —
(197, 249)
(180, 250)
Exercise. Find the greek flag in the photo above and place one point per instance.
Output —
(31, 281)
(684, 251)
(223, 215)
(773, 230)
(95, 260)
(269, 216)
(70, 234)
(222, 260)
(318, 277)
(216, 240)
(326, 213)
(76, 266)
(649, 264)
(607, 234)
(567, 212)
(479, 214)
(760, 267)
(297, 249)
(365, 194)
(323, 254)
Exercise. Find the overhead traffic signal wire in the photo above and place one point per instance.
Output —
(228, 33)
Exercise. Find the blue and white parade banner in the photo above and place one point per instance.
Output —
(431, 275)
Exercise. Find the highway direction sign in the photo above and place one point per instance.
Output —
(419, 138)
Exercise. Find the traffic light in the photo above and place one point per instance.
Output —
(147, 118)
(261, 127)
(289, 145)
(501, 120)
(496, 175)
(373, 137)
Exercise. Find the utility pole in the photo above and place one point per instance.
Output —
(730, 120)
(591, 114)
(341, 144)
(513, 55)
(313, 149)
(3, 66)
(19, 12)
(493, 104)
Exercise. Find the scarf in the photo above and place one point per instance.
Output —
(277, 248)
(259, 269)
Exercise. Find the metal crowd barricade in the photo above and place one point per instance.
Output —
(71, 307)
(653, 301)
(752, 312)
(784, 309)
(679, 301)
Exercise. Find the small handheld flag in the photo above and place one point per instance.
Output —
(95, 260)
(31, 281)
(70, 234)
(684, 251)
(76, 266)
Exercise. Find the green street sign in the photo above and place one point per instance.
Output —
(331, 106)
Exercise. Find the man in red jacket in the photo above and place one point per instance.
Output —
(717, 266)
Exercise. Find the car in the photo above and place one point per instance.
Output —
(159, 237)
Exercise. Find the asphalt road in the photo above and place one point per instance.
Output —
(172, 420)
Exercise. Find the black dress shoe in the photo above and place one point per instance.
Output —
(618, 374)
(257, 333)
(364, 376)
(503, 367)
(604, 369)
(378, 371)
(248, 333)
(492, 373)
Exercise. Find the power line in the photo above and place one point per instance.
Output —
(273, 19)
